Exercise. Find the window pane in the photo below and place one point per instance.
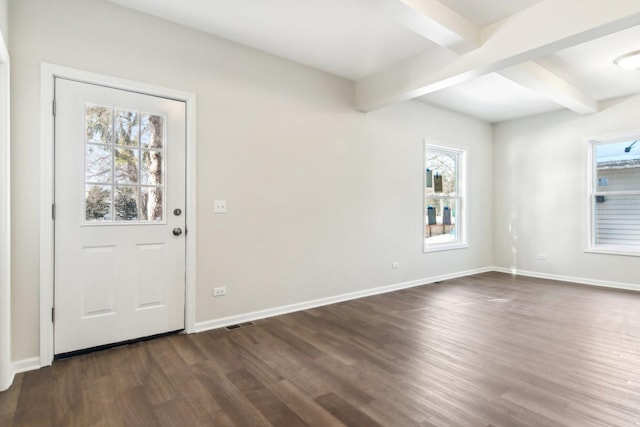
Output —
(97, 202)
(151, 167)
(440, 221)
(152, 131)
(618, 166)
(151, 203)
(441, 172)
(98, 163)
(122, 181)
(126, 203)
(126, 170)
(443, 198)
(98, 123)
(618, 219)
(127, 129)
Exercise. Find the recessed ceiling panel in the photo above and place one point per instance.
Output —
(590, 66)
(483, 13)
(491, 98)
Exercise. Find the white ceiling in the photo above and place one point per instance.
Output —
(510, 59)
(486, 12)
(342, 37)
(491, 98)
(590, 65)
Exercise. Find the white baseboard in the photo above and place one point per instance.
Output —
(571, 279)
(25, 365)
(285, 309)
(33, 363)
(6, 380)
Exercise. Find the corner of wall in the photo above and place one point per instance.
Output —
(492, 195)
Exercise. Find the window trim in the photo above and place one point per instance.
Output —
(461, 198)
(590, 193)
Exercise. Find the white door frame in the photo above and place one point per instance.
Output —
(6, 372)
(47, 75)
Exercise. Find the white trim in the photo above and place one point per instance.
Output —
(588, 204)
(190, 215)
(276, 311)
(6, 374)
(462, 182)
(571, 279)
(433, 247)
(46, 223)
(615, 137)
(590, 245)
(34, 362)
(24, 365)
(613, 250)
(48, 73)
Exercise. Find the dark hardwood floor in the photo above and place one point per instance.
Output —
(486, 350)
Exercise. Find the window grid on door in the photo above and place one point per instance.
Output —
(124, 166)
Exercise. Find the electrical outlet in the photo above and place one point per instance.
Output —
(395, 265)
(542, 257)
(219, 206)
(218, 292)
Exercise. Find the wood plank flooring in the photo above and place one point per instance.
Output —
(485, 350)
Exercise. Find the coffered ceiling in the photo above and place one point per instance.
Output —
(491, 59)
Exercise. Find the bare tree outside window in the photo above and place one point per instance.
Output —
(152, 161)
(123, 165)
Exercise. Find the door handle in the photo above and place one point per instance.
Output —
(177, 231)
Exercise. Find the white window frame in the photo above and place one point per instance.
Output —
(591, 193)
(461, 197)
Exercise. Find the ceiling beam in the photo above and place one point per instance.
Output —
(428, 17)
(432, 20)
(542, 81)
(514, 40)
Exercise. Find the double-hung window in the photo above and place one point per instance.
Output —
(614, 195)
(444, 198)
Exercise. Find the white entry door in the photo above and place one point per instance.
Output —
(119, 215)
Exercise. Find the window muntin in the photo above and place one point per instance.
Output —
(124, 166)
(615, 196)
(443, 198)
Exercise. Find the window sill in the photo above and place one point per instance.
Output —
(444, 247)
(613, 250)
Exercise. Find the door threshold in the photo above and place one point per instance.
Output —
(113, 345)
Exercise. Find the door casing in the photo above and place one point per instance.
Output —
(48, 73)
(6, 370)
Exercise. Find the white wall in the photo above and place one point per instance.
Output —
(539, 188)
(321, 198)
(4, 19)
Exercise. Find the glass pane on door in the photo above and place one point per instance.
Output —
(124, 165)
